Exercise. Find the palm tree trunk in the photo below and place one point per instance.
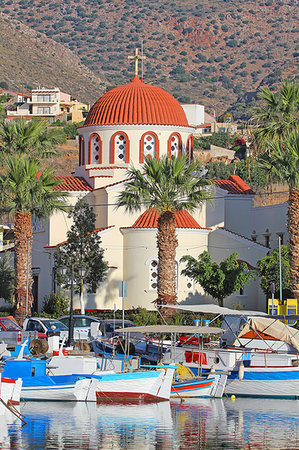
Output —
(293, 229)
(23, 237)
(167, 243)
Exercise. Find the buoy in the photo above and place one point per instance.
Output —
(233, 398)
(241, 371)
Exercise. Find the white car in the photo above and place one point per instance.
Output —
(82, 325)
(44, 326)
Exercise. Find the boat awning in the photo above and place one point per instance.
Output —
(183, 329)
(215, 309)
(272, 327)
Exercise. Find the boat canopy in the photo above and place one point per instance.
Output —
(183, 329)
(215, 309)
(273, 328)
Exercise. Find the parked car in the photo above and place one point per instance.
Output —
(11, 333)
(44, 326)
(82, 325)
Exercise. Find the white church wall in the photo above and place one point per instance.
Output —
(221, 245)
(238, 214)
(270, 221)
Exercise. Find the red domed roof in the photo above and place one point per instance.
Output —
(137, 103)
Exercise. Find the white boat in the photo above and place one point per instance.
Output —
(260, 360)
(10, 392)
(185, 387)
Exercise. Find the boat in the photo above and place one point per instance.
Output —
(10, 392)
(37, 385)
(78, 378)
(186, 385)
(257, 352)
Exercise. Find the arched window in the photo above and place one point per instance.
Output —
(149, 146)
(175, 146)
(95, 149)
(81, 151)
(120, 148)
(189, 155)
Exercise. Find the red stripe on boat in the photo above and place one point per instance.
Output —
(8, 380)
(190, 387)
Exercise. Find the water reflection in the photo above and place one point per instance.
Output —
(194, 423)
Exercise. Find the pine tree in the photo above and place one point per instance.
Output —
(82, 249)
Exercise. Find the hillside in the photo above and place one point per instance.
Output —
(208, 51)
(29, 60)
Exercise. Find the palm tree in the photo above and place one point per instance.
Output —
(278, 115)
(281, 163)
(33, 138)
(168, 185)
(27, 193)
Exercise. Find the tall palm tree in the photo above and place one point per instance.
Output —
(33, 138)
(281, 163)
(26, 193)
(277, 116)
(168, 185)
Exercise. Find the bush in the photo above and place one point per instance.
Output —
(56, 305)
(70, 130)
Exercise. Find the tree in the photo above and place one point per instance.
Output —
(278, 116)
(6, 279)
(169, 186)
(33, 138)
(26, 192)
(281, 163)
(82, 249)
(220, 139)
(268, 271)
(217, 280)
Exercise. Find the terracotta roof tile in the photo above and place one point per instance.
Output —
(69, 183)
(234, 185)
(149, 219)
(137, 103)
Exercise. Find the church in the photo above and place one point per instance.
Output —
(126, 125)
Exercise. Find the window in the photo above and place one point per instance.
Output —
(120, 148)
(189, 155)
(175, 146)
(95, 149)
(153, 274)
(149, 146)
(81, 151)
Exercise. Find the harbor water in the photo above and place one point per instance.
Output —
(191, 424)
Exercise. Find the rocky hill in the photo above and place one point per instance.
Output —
(208, 51)
(29, 59)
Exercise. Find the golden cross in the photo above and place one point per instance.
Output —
(136, 57)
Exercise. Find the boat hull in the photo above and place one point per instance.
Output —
(76, 391)
(144, 386)
(192, 388)
(260, 382)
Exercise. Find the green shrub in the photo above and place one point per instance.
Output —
(55, 305)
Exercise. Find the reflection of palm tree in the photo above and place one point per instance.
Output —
(26, 193)
(168, 185)
(282, 163)
(278, 116)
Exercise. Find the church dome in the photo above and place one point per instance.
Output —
(137, 103)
